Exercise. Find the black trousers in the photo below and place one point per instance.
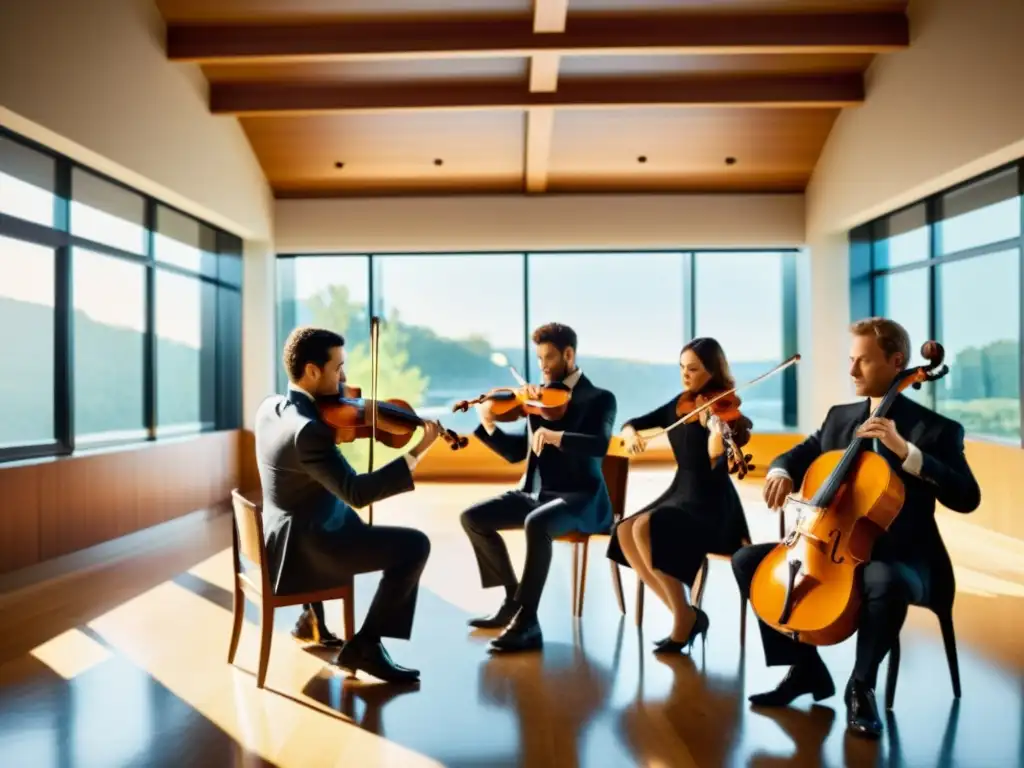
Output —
(401, 553)
(887, 588)
(543, 518)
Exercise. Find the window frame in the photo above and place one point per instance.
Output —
(864, 277)
(688, 266)
(227, 346)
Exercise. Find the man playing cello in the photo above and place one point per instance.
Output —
(927, 452)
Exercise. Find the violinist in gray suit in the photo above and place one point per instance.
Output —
(314, 538)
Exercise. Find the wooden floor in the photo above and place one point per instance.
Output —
(124, 664)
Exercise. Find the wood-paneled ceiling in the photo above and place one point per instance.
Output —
(375, 97)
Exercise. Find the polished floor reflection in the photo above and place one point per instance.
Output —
(125, 665)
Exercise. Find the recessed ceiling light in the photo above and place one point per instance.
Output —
(730, 161)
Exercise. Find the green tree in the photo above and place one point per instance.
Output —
(396, 378)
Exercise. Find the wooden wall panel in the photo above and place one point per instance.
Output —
(86, 500)
(52, 507)
(998, 469)
(20, 490)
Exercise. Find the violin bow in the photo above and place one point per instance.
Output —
(374, 367)
(652, 433)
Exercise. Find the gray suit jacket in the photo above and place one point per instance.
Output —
(309, 490)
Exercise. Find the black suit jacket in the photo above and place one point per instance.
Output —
(309, 489)
(587, 427)
(945, 477)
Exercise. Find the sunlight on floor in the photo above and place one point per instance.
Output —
(71, 653)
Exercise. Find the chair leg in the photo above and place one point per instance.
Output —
(697, 593)
(949, 640)
(575, 577)
(894, 671)
(639, 602)
(236, 629)
(266, 635)
(743, 622)
(617, 586)
(348, 606)
(583, 578)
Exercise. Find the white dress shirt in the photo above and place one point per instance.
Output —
(570, 381)
(911, 464)
(410, 459)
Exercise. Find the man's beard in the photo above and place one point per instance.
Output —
(560, 373)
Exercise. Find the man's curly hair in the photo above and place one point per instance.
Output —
(561, 336)
(307, 344)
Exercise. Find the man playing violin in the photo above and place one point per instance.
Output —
(561, 491)
(909, 564)
(314, 538)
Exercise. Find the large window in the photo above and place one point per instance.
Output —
(958, 282)
(26, 343)
(109, 346)
(728, 288)
(120, 318)
(185, 357)
(452, 324)
(630, 312)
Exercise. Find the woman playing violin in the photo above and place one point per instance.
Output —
(700, 512)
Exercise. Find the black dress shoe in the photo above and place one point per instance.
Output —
(523, 634)
(497, 620)
(812, 678)
(370, 657)
(699, 629)
(862, 710)
(308, 630)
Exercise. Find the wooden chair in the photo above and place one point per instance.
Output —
(247, 539)
(697, 591)
(616, 474)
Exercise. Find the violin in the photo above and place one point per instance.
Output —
(807, 587)
(726, 416)
(550, 402)
(389, 422)
(728, 419)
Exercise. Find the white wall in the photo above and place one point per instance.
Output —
(90, 78)
(946, 109)
(556, 222)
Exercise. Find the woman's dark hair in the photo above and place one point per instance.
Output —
(306, 344)
(712, 357)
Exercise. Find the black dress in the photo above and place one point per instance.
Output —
(700, 513)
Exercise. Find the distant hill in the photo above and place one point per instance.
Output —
(108, 380)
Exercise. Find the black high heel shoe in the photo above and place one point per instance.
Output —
(699, 629)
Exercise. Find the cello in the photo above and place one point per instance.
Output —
(807, 587)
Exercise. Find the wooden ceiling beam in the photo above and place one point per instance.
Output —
(717, 35)
(549, 17)
(770, 91)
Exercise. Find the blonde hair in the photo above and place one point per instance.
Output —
(891, 336)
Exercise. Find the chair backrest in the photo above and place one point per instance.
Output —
(248, 530)
(616, 474)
